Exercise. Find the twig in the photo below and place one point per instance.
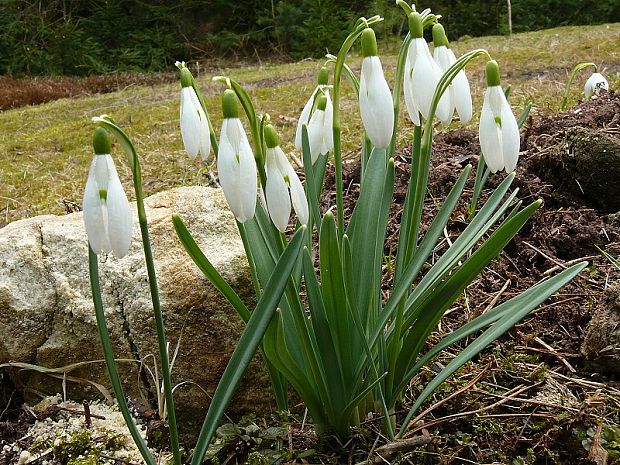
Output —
(404, 445)
(568, 264)
(556, 354)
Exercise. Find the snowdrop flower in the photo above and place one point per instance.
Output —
(235, 162)
(107, 217)
(194, 124)
(594, 84)
(422, 75)
(459, 91)
(499, 132)
(283, 186)
(320, 135)
(375, 97)
(306, 113)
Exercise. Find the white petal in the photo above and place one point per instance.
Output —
(376, 105)
(426, 75)
(316, 130)
(205, 139)
(119, 215)
(190, 123)
(490, 136)
(304, 118)
(412, 109)
(276, 192)
(444, 59)
(595, 81)
(510, 137)
(237, 169)
(95, 213)
(328, 122)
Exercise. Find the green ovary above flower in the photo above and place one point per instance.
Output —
(107, 216)
(499, 131)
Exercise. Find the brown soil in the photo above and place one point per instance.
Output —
(511, 414)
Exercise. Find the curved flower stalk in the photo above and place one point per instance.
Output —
(194, 123)
(459, 90)
(283, 185)
(422, 75)
(320, 133)
(375, 97)
(235, 162)
(499, 131)
(306, 113)
(595, 83)
(107, 216)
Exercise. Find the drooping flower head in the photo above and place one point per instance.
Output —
(422, 75)
(320, 135)
(194, 124)
(459, 90)
(107, 216)
(499, 131)
(283, 186)
(321, 89)
(595, 83)
(375, 98)
(235, 162)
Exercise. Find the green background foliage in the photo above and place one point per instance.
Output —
(83, 37)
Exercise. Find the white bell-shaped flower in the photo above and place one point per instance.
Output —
(283, 186)
(235, 162)
(107, 216)
(595, 84)
(459, 90)
(306, 113)
(499, 131)
(194, 124)
(320, 135)
(423, 75)
(376, 106)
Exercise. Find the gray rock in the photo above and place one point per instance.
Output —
(601, 346)
(47, 317)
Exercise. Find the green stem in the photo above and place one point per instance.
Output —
(572, 75)
(108, 355)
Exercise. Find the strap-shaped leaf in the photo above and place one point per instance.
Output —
(203, 263)
(248, 342)
(513, 312)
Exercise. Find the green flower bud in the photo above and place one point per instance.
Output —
(323, 76)
(416, 27)
(101, 142)
(230, 106)
(439, 36)
(321, 102)
(186, 77)
(492, 72)
(369, 43)
(271, 137)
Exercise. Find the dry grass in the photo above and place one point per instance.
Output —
(45, 149)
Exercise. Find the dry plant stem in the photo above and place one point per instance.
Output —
(555, 352)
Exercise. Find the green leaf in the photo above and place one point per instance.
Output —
(248, 342)
(512, 312)
(203, 263)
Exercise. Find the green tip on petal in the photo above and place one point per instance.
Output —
(321, 102)
(416, 27)
(439, 36)
(492, 73)
(323, 76)
(101, 142)
(271, 137)
(230, 104)
(369, 43)
(186, 77)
